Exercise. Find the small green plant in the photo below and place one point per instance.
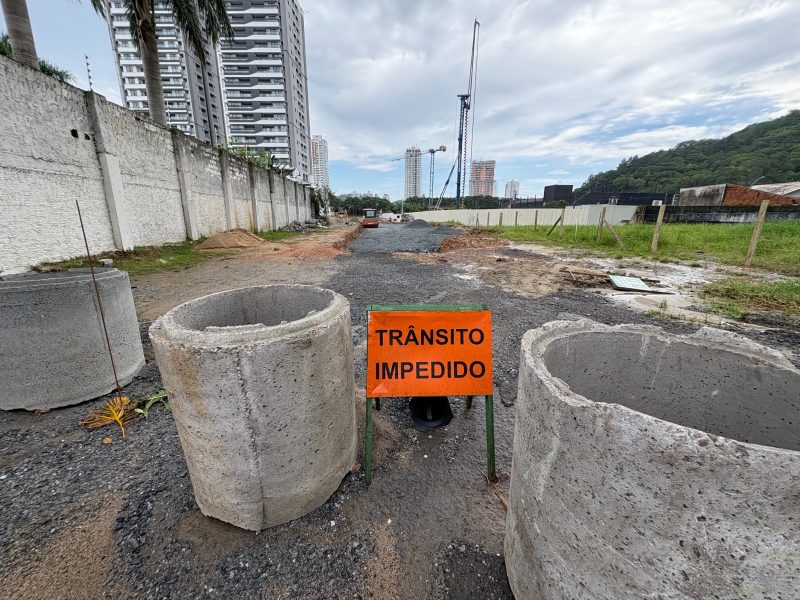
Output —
(144, 406)
(263, 158)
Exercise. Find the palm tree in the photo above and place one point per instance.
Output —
(45, 66)
(48, 68)
(19, 32)
(201, 21)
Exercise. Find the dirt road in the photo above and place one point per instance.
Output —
(86, 520)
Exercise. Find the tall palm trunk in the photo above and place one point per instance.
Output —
(148, 45)
(19, 33)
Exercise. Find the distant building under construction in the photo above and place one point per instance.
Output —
(481, 178)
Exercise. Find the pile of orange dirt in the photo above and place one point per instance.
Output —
(235, 238)
(457, 242)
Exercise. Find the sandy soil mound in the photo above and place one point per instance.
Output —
(235, 238)
(469, 241)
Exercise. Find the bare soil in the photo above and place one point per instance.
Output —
(302, 259)
(235, 238)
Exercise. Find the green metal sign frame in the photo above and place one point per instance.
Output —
(490, 454)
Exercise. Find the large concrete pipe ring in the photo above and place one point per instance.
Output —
(652, 465)
(53, 351)
(262, 388)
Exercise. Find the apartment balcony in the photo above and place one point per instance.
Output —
(255, 10)
(270, 47)
(260, 37)
(271, 110)
(270, 97)
(254, 86)
(254, 60)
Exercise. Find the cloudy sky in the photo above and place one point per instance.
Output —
(565, 87)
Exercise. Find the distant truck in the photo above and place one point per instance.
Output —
(370, 217)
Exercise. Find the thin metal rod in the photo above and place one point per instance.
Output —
(469, 402)
(490, 465)
(99, 302)
(368, 443)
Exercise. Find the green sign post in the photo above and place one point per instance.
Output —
(426, 350)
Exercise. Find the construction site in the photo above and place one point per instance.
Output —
(89, 513)
(211, 387)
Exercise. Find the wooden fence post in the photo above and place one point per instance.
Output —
(563, 213)
(613, 232)
(516, 217)
(600, 223)
(762, 215)
(500, 219)
(558, 220)
(535, 220)
(657, 232)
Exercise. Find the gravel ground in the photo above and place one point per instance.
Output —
(418, 236)
(85, 520)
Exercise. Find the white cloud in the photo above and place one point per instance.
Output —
(578, 83)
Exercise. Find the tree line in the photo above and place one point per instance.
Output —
(355, 202)
(766, 152)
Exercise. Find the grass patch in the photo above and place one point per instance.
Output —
(144, 260)
(735, 298)
(278, 236)
(778, 248)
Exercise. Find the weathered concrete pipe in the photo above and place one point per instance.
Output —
(262, 388)
(53, 351)
(651, 465)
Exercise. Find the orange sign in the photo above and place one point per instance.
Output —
(429, 353)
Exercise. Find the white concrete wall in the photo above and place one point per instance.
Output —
(44, 169)
(151, 192)
(138, 183)
(580, 215)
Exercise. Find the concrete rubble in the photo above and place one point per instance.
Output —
(653, 465)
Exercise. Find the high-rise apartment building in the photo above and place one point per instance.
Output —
(481, 178)
(265, 81)
(192, 91)
(319, 162)
(413, 172)
(512, 189)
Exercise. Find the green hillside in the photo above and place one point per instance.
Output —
(770, 150)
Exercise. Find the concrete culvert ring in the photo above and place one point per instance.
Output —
(53, 350)
(261, 383)
(648, 464)
(430, 412)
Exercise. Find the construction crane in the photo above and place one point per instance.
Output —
(432, 152)
(466, 100)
